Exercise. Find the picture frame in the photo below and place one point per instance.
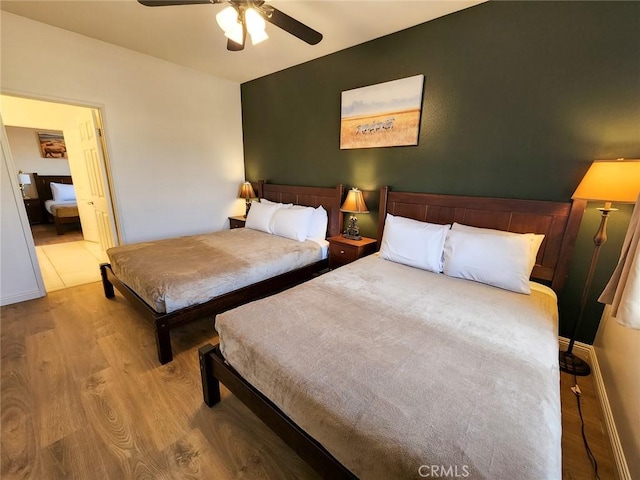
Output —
(383, 115)
(52, 144)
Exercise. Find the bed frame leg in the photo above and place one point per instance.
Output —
(58, 226)
(210, 384)
(106, 284)
(163, 343)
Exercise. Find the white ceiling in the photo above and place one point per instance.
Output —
(188, 34)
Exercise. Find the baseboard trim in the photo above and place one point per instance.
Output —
(589, 353)
(21, 297)
(582, 349)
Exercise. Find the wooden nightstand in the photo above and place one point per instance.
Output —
(34, 210)
(343, 251)
(237, 222)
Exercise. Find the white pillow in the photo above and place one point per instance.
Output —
(413, 243)
(281, 205)
(318, 223)
(260, 215)
(498, 260)
(534, 238)
(62, 192)
(292, 223)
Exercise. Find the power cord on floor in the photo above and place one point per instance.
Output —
(576, 391)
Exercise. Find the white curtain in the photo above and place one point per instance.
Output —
(623, 290)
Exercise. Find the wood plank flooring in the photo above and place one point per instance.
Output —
(84, 397)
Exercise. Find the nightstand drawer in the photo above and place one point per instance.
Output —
(343, 253)
(34, 210)
(343, 250)
(237, 222)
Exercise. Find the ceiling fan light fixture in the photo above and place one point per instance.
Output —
(228, 19)
(257, 37)
(236, 34)
(254, 20)
(255, 26)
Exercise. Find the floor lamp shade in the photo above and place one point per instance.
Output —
(610, 181)
(606, 181)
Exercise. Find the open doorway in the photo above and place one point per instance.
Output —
(59, 158)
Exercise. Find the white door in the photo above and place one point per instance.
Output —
(82, 181)
(98, 198)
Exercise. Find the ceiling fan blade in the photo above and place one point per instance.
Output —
(164, 3)
(291, 25)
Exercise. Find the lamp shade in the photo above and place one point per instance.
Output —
(24, 179)
(246, 191)
(610, 181)
(354, 203)
(227, 18)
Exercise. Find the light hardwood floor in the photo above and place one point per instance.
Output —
(84, 397)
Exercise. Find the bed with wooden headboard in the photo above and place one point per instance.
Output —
(212, 248)
(61, 216)
(378, 369)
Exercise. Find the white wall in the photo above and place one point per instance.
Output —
(618, 352)
(174, 135)
(26, 155)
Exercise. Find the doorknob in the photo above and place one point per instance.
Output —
(89, 203)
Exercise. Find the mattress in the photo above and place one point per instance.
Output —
(62, 208)
(395, 370)
(180, 272)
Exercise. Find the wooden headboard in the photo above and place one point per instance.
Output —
(558, 221)
(329, 198)
(44, 189)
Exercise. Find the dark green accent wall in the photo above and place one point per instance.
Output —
(519, 98)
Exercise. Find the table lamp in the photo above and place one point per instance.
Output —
(24, 180)
(354, 203)
(246, 192)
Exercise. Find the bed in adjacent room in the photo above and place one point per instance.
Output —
(58, 198)
(174, 281)
(415, 358)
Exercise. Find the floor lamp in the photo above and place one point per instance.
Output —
(606, 181)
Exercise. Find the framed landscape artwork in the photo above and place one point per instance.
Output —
(52, 144)
(383, 115)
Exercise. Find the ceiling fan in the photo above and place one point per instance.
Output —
(242, 16)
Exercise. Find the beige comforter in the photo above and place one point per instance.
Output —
(179, 272)
(398, 371)
(64, 211)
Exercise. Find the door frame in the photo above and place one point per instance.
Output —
(22, 213)
(114, 217)
(101, 129)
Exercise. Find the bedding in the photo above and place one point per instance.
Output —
(498, 260)
(180, 272)
(292, 223)
(265, 219)
(389, 370)
(535, 240)
(62, 192)
(414, 243)
(260, 215)
(61, 208)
